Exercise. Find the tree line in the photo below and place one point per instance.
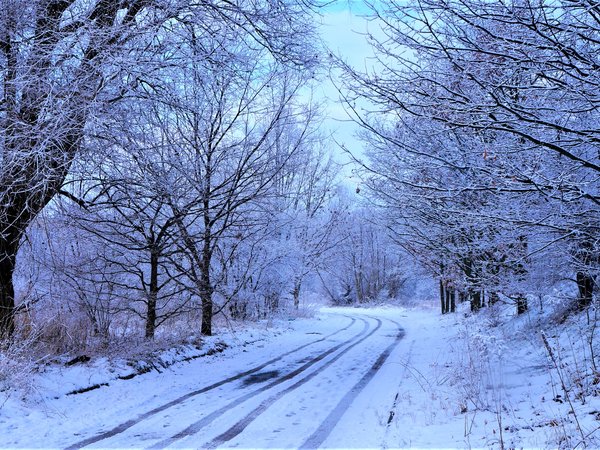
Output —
(482, 134)
(163, 161)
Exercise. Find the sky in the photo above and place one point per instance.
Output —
(343, 27)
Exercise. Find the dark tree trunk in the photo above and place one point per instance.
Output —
(207, 313)
(20, 209)
(494, 298)
(206, 289)
(448, 295)
(442, 299)
(473, 291)
(521, 273)
(10, 236)
(453, 300)
(521, 304)
(475, 297)
(7, 292)
(152, 297)
(202, 260)
(296, 293)
(585, 285)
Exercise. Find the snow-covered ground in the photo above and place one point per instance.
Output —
(349, 378)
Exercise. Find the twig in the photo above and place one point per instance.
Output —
(563, 384)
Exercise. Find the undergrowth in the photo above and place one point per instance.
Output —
(504, 357)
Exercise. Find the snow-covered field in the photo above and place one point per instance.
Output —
(349, 378)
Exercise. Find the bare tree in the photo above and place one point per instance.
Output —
(229, 145)
(365, 264)
(50, 52)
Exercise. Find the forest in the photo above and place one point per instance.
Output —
(482, 148)
(165, 172)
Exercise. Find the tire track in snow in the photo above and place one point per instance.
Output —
(241, 425)
(206, 420)
(130, 423)
(318, 437)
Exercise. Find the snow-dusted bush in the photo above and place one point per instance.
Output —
(17, 366)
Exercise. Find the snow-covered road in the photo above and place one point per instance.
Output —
(374, 378)
(314, 386)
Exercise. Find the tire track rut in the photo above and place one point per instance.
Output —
(241, 425)
(122, 427)
(206, 420)
(318, 437)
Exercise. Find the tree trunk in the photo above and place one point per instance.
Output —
(585, 285)
(202, 260)
(206, 290)
(296, 293)
(473, 289)
(521, 304)
(358, 286)
(153, 295)
(453, 300)
(7, 291)
(494, 298)
(521, 273)
(442, 299)
(207, 313)
(15, 216)
(448, 296)
(475, 297)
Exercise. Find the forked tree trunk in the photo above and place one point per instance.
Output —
(448, 294)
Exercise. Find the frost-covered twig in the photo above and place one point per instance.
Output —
(563, 385)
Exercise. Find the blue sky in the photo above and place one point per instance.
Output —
(343, 26)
